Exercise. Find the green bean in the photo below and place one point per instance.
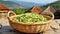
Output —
(30, 17)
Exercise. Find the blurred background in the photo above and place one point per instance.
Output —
(24, 5)
(27, 3)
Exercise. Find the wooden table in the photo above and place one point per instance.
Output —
(6, 29)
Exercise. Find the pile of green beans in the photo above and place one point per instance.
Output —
(30, 17)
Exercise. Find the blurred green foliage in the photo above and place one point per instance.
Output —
(22, 10)
(54, 4)
(19, 10)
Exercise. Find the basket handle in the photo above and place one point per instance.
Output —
(11, 13)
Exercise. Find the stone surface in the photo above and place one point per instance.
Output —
(57, 21)
(55, 28)
(55, 25)
(49, 32)
(4, 22)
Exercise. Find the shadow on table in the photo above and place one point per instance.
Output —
(9, 30)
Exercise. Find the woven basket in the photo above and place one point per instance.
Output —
(31, 28)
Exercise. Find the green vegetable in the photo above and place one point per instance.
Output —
(30, 17)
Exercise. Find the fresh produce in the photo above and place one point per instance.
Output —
(30, 17)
